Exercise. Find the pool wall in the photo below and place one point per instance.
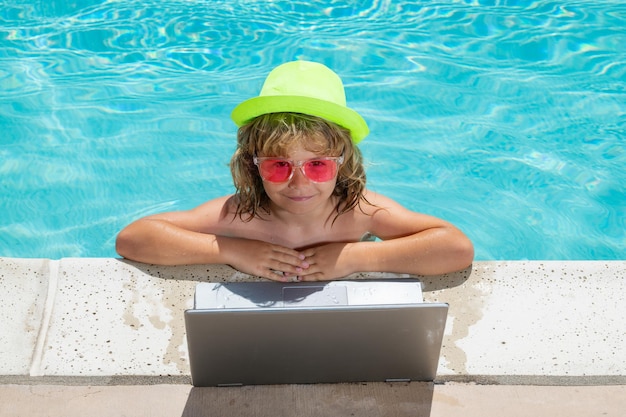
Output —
(106, 320)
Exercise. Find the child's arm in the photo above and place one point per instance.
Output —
(411, 243)
(181, 238)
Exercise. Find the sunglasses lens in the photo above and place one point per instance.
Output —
(275, 170)
(320, 170)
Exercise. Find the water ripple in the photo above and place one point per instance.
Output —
(487, 113)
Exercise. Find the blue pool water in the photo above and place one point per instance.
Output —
(507, 118)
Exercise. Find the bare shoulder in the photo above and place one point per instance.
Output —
(389, 218)
(378, 202)
(216, 211)
(202, 218)
(223, 205)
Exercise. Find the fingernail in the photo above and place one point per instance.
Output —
(305, 264)
(302, 257)
(298, 269)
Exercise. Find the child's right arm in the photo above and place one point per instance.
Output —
(183, 238)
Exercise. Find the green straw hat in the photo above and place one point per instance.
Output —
(303, 87)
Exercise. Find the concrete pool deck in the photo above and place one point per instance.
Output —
(522, 337)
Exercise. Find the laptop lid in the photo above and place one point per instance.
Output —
(340, 331)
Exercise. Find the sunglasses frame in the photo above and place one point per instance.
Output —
(258, 160)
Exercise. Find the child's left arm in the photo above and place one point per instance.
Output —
(410, 243)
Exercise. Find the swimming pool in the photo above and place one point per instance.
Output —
(507, 118)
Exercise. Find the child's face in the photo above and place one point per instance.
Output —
(300, 195)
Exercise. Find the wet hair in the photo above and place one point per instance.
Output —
(275, 134)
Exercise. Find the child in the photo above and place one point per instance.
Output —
(301, 209)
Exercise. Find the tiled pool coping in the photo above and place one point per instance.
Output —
(100, 320)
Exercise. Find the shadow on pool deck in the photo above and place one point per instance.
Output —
(314, 400)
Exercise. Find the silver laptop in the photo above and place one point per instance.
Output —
(340, 331)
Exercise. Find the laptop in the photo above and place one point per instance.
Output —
(253, 333)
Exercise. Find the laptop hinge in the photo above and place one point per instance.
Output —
(234, 384)
(398, 380)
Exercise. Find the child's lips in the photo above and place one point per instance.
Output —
(299, 198)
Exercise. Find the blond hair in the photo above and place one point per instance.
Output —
(273, 135)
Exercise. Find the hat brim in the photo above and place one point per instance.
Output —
(343, 116)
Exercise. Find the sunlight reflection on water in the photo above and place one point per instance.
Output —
(505, 117)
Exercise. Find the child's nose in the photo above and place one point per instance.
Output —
(298, 177)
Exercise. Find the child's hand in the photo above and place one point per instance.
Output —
(327, 262)
(263, 259)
